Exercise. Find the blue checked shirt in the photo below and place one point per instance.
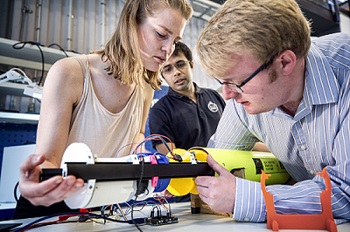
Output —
(316, 137)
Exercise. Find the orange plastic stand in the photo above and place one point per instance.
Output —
(322, 221)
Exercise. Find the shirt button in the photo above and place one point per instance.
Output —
(312, 172)
(303, 147)
(246, 219)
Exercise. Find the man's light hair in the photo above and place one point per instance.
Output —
(262, 28)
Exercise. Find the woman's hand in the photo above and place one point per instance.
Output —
(48, 192)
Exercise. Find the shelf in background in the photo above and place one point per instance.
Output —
(12, 88)
(6, 115)
(10, 117)
(29, 56)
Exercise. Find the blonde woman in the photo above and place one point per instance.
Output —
(101, 99)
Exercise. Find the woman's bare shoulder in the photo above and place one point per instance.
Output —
(68, 65)
(68, 70)
(66, 76)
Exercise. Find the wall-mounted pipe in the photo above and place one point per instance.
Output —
(38, 20)
(25, 11)
(70, 18)
(102, 23)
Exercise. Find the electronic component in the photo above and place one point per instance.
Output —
(115, 180)
(162, 220)
(157, 219)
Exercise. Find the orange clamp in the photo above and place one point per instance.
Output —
(322, 221)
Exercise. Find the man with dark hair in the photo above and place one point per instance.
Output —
(188, 115)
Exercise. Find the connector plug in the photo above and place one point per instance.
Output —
(33, 91)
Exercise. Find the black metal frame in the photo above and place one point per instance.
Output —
(128, 171)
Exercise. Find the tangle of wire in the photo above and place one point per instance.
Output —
(157, 199)
(163, 139)
(138, 148)
(141, 159)
(105, 217)
(135, 151)
(85, 216)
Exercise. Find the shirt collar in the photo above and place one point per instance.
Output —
(171, 92)
(321, 85)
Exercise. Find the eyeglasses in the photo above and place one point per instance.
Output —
(169, 69)
(238, 88)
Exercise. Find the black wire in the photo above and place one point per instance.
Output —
(15, 191)
(162, 139)
(73, 51)
(59, 46)
(23, 228)
(138, 187)
(85, 216)
(21, 45)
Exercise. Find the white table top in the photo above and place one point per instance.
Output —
(186, 222)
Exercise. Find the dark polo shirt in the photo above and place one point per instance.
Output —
(186, 123)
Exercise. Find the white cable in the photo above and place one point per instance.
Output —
(32, 89)
(15, 74)
(10, 76)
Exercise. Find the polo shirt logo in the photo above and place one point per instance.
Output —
(213, 107)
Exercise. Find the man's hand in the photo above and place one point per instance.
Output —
(219, 191)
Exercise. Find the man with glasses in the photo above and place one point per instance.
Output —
(286, 89)
(188, 115)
